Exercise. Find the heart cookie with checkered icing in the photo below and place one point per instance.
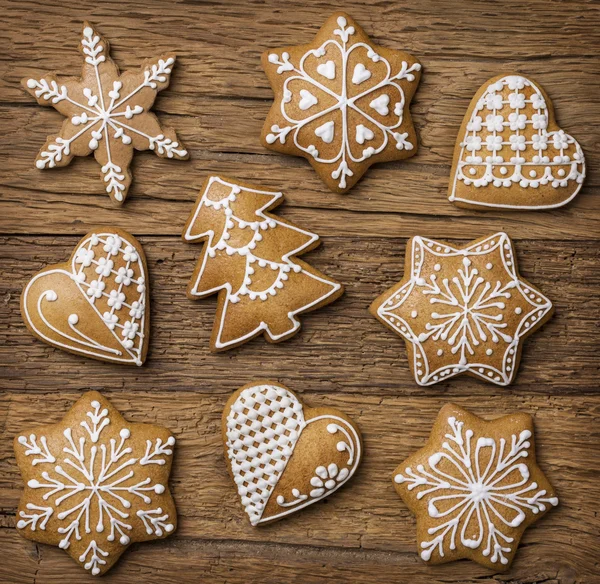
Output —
(283, 456)
(95, 304)
(511, 153)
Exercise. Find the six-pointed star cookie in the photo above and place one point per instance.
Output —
(463, 310)
(474, 488)
(95, 483)
(107, 113)
(341, 102)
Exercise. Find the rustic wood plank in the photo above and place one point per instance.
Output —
(560, 358)
(365, 516)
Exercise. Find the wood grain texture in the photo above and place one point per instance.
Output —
(343, 357)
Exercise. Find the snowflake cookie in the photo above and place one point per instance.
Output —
(249, 259)
(107, 113)
(282, 455)
(511, 153)
(95, 483)
(463, 310)
(474, 488)
(95, 304)
(341, 102)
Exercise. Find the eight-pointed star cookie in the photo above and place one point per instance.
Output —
(341, 102)
(95, 483)
(463, 310)
(107, 113)
(474, 488)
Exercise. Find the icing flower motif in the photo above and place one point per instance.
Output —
(104, 267)
(95, 289)
(113, 244)
(473, 143)
(84, 257)
(130, 254)
(124, 276)
(494, 123)
(116, 299)
(538, 101)
(493, 101)
(517, 143)
(141, 285)
(493, 143)
(130, 329)
(110, 319)
(475, 124)
(137, 310)
(560, 140)
(516, 100)
(539, 121)
(517, 121)
(515, 82)
(326, 479)
(540, 141)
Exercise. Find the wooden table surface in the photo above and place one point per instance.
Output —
(343, 357)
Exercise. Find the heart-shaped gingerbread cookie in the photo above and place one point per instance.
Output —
(511, 153)
(95, 304)
(283, 456)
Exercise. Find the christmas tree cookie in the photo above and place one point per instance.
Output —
(341, 102)
(249, 258)
(107, 113)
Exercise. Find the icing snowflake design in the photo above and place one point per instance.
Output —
(264, 277)
(328, 98)
(508, 143)
(478, 491)
(460, 313)
(264, 426)
(109, 272)
(107, 114)
(88, 484)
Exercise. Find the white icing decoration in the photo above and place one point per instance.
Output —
(470, 502)
(363, 134)
(307, 99)
(469, 309)
(105, 116)
(344, 103)
(263, 222)
(326, 132)
(527, 152)
(100, 471)
(327, 70)
(84, 258)
(259, 450)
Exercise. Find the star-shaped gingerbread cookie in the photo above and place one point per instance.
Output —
(341, 102)
(463, 310)
(107, 113)
(95, 483)
(474, 488)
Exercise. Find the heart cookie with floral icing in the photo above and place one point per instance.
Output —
(96, 304)
(511, 153)
(283, 456)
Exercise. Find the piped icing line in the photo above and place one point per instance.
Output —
(272, 445)
(472, 145)
(76, 275)
(283, 268)
(343, 102)
(469, 291)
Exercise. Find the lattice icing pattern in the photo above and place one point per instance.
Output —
(263, 427)
(507, 142)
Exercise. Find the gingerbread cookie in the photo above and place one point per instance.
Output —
(511, 153)
(463, 309)
(474, 488)
(249, 259)
(282, 455)
(95, 483)
(95, 304)
(107, 113)
(341, 102)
